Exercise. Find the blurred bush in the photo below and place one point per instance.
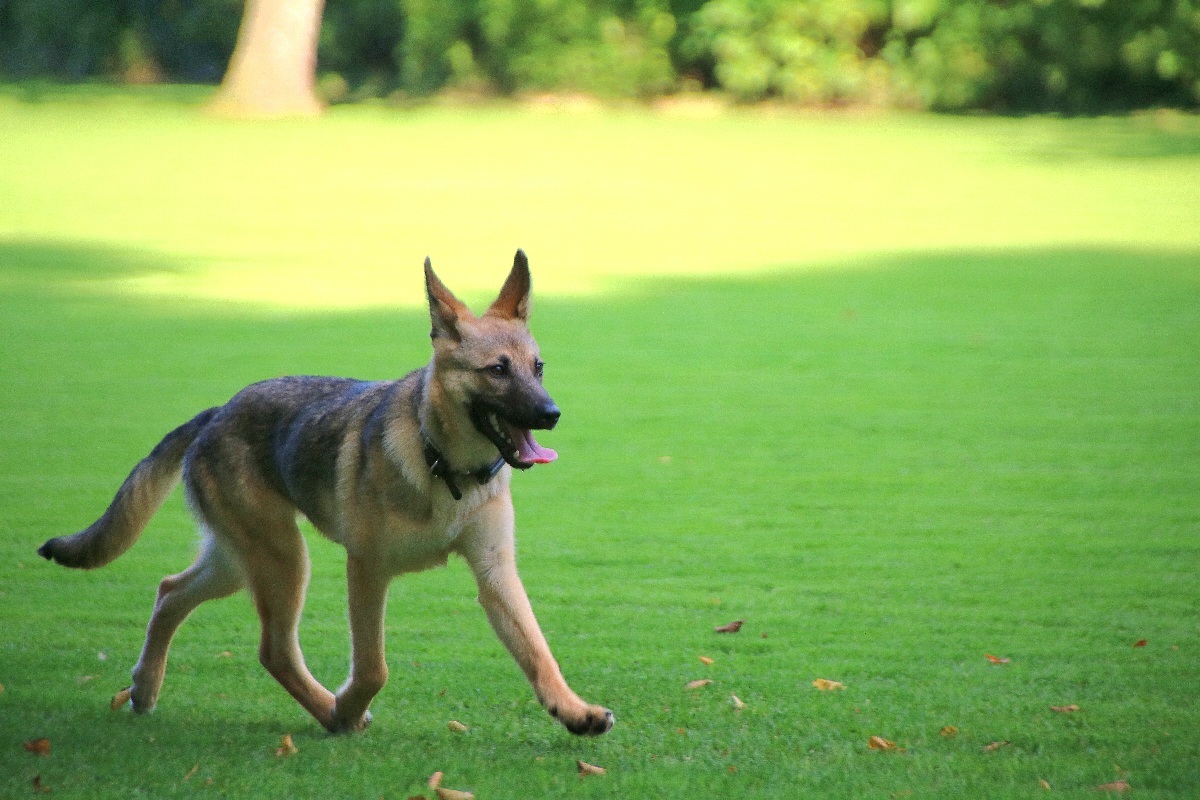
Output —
(1003, 55)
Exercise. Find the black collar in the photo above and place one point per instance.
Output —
(439, 467)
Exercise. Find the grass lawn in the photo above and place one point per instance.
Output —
(900, 392)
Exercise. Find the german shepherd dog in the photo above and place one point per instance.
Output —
(401, 473)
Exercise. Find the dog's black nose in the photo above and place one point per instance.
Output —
(548, 416)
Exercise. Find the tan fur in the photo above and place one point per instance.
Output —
(351, 457)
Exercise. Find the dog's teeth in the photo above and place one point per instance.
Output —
(516, 455)
(495, 422)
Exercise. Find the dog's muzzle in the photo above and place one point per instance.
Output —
(514, 437)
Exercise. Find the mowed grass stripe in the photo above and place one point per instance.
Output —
(888, 472)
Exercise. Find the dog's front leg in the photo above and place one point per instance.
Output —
(502, 595)
(367, 592)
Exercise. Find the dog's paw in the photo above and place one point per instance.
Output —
(349, 726)
(593, 721)
(142, 702)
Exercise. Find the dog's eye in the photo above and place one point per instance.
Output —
(539, 366)
(499, 370)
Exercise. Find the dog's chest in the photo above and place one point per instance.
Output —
(411, 545)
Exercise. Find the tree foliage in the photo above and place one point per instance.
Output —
(1008, 55)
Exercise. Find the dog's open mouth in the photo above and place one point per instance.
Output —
(516, 444)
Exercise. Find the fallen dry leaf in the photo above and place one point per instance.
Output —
(880, 743)
(590, 769)
(453, 794)
(994, 746)
(1065, 709)
(1, 687)
(435, 780)
(698, 684)
(736, 702)
(191, 772)
(1116, 786)
(996, 659)
(457, 726)
(225, 654)
(732, 627)
(828, 686)
(949, 731)
(40, 747)
(706, 661)
(1138, 643)
(286, 747)
(1045, 784)
(39, 787)
(120, 699)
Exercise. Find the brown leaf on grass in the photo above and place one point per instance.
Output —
(589, 769)
(39, 787)
(706, 661)
(736, 702)
(191, 772)
(39, 747)
(1065, 709)
(949, 731)
(453, 794)
(994, 746)
(435, 780)
(224, 654)
(120, 699)
(457, 726)
(996, 659)
(1116, 786)
(286, 747)
(828, 686)
(698, 684)
(1, 687)
(732, 627)
(880, 743)
(1045, 784)
(1140, 643)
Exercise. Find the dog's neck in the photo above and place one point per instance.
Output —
(461, 463)
(439, 467)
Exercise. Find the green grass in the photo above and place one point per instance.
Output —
(954, 411)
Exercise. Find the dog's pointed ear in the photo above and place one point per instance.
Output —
(445, 310)
(513, 302)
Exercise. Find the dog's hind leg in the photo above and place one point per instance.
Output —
(213, 575)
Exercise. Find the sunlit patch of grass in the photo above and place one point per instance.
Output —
(340, 212)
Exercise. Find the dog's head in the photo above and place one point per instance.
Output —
(489, 366)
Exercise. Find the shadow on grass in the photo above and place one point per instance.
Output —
(888, 470)
(35, 265)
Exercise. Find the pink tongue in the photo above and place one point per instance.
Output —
(529, 450)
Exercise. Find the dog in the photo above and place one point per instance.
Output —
(401, 473)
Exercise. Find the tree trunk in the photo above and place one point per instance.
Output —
(273, 69)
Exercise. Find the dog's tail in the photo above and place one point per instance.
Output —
(139, 497)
